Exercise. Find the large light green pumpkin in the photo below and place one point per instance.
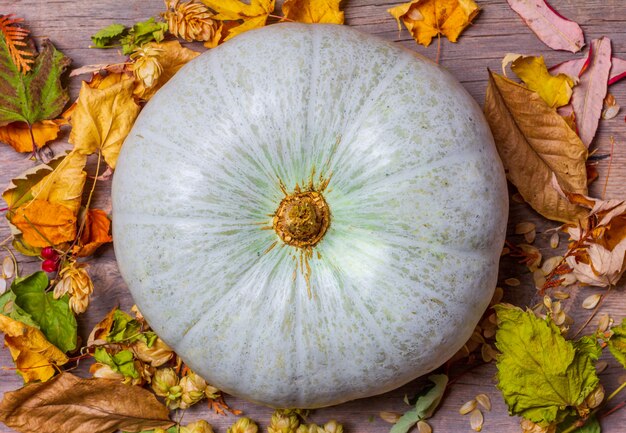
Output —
(418, 206)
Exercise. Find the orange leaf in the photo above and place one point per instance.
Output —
(16, 134)
(95, 233)
(313, 11)
(43, 223)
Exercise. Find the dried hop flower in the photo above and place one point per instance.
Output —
(165, 383)
(200, 426)
(147, 68)
(192, 387)
(243, 425)
(75, 281)
(192, 21)
(283, 422)
(157, 354)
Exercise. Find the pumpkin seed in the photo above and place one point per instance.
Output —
(551, 263)
(3, 286)
(484, 401)
(601, 366)
(524, 227)
(568, 279)
(547, 301)
(424, 427)
(557, 307)
(539, 278)
(533, 255)
(559, 318)
(554, 240)
(610, 112)
(8, 267)
(590, 302)
(595, 397)
(390, 417)
(530, 236)
(603, 323)
(467, 407)
(476, 420)
(513, 282)
(560, 295)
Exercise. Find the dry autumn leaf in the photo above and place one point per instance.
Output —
(68, 403)
(251, 15)
(425, 19)
(537, 148)
(102, 119)
(551, 28)
(556, 90)
(313, 11)
(44, 223)
(95, 233)
(17, 134)
(34, 356)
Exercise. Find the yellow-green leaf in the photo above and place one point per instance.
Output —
(555, 90)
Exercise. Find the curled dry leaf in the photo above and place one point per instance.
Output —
(95, 406)
(313, 11)
(590, 302)
(425, 19)
(536, 146)
(17, 134)
(252, 15)
(551, 28)
(96, 232)
(556, 90)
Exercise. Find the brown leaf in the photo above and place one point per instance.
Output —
(68, 403)
(536, 147)
(44, 223)
(95, 233)
(17, 135)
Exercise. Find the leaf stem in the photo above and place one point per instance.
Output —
(595, 311)
(617, 391)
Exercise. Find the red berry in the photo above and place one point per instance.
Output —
(49, 253)
(49, 265)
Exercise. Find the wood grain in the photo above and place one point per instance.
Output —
(496, 31)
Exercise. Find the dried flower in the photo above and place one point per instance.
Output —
(192, 387)
(75, 281)
(332, 426)
(200, 426)
(192, 21)
(157, 354)
(147, 68)
(283, 422)
(103, 371)
(243, 425)
(165, 383)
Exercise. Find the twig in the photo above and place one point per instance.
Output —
(595, 311)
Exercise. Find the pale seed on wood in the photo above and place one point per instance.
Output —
(3, 286)
(513, 282)
(551, 263)
(390, 417)
(424, 427)
(467, 407)
(530, 236)
(8, 267)
(610, 112)
(590, 302)
(601, 366)
(539, 279)
(547, 301)
(603, 323)
(524, 227)
(560, 295)
(476, 420)
(554, 240)
(568, 279)
(484, 401)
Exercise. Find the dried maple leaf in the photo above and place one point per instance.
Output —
(425, 19)
(17, 134)
(556, 90)
(313, 11)
(542, 156)
(251, 16)
(68, 403)
(95, 233)
(102, 119)
(551, 28)
(598, 254)
(34, 356)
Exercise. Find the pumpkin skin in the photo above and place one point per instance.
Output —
(418, 206)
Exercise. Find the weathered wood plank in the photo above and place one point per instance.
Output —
(497, 31)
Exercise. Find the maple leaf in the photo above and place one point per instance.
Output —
(542, 155)
(251, 16)
(425, 19)
(95, 406)
(17, 43)
(95, 233)
(102, 119)
(17, 134)
(555, 90)
(34, 356)
(313, 11)
(36, 95)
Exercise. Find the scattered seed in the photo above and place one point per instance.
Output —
(524, 227)
(547, 301)
(596, 397)
(8, 267)
(556, 307)
(517, 197)
(603, 323)
(560, 295)
(489, 332)
(590, 302)
(497, 296)
(513, 282)
(539, 278)
(390, 417)
(601, 366)
(530, 236)
(559, 318)
(484, 401)
(488, 353)
(551, 263)
(493, 318)
(610, 112)
(554, 240)
(476, 420)
(3, 286)
(467, 407)
(424, 427)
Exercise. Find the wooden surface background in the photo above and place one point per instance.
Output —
(495, 32)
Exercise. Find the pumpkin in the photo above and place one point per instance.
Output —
(309, 215)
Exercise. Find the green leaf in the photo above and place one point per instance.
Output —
(8, 307)
(105, 37)
(125, 329)
(36, 95)
(425, 405)
(617, 343)
(122, 362)
(541, 375)
(591, 426)
(54, 317)
(141, 33)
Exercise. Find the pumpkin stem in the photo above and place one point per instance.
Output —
(302, 219)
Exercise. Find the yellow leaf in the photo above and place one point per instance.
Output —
(425, 19)
(95, 233)
(170, 56)
(542, 156)
(16, 134)
(34, 356)
(43, 223)
(102, 119)
(313, 11)
(64, 186)
(555, 90)
(253, 15)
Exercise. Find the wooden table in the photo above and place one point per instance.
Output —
(496, 31)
